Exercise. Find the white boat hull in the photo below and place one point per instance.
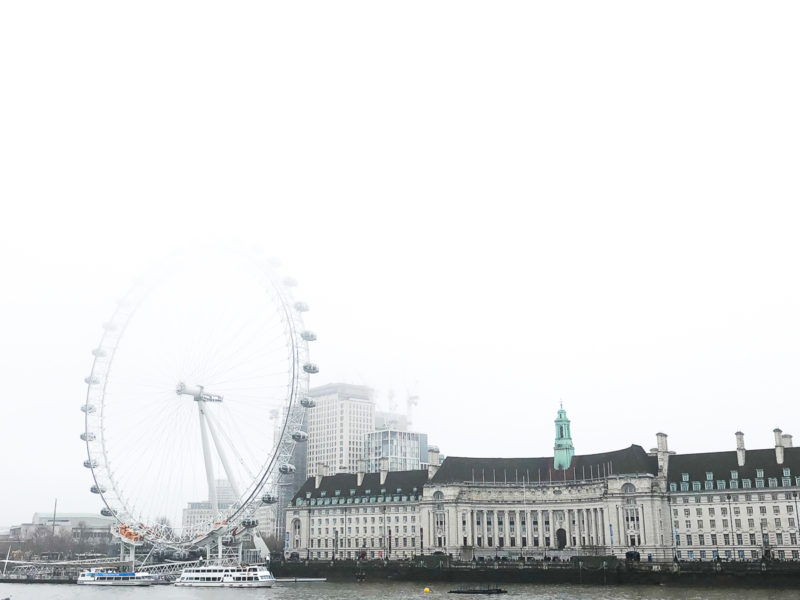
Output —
(232, 584)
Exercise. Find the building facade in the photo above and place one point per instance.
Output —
(737, 504)
(338, 425)
(405, 450)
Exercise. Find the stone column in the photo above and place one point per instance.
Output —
(568, 526)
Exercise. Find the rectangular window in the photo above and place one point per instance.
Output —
(695, 486)
(760, 473)
(734, 474)
(721, 484)
(673, 487)
(684, 477)
(746, 484)
(709, 475)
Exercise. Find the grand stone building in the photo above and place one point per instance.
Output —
(736, 504)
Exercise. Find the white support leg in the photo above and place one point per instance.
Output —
(212, 488)
(222, 456)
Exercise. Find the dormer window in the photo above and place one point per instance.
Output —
(684, 477)
(734, 474)
(760, 473)
(709, 476)
(786, 472)
(337, 492)
(308, 494)
(322, 494)
(367, 492)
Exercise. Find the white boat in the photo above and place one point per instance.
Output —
(226, 576)
(99, 576)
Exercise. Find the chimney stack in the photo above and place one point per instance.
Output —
(740, 448)
(433, 461)
(787, 440)
(778, 445)
(662, 455)
(321, 472)
(384, 468)
(362, 468)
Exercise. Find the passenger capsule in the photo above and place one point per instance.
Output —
(249, 523)
(106, 512)
(287, 469)
(310, 368)
(88, 408)
(300, 436)
(308, 402)
(308, 336)
(269, 499)
(91, 380)
(301, 307)
(97, 489)
(90, 464)
(88, 436)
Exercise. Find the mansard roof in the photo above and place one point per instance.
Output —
(722, 463)
(405, 481)
(457, 469)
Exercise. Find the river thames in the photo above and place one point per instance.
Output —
(391, 591)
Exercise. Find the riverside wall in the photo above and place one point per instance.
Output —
(594, 570)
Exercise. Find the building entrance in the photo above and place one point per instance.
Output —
(561, 538)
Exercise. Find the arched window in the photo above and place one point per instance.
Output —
(628, 488)
(438, 496)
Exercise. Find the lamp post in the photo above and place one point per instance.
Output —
(730, 516)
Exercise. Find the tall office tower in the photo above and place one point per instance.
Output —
(337, 427)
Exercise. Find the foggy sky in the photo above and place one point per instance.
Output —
(496, 206)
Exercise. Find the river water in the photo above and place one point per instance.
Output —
(387, 591)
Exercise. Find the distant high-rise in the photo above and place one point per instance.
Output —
(405, 450)
(338, 426)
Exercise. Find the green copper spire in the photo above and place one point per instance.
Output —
(564, 451)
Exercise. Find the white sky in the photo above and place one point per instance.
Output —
(496, 205)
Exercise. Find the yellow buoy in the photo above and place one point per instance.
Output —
(427, 590)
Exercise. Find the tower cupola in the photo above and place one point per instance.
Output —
(563, 449)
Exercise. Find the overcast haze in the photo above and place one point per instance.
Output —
(494, 205)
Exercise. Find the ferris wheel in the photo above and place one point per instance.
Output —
(196, 398)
